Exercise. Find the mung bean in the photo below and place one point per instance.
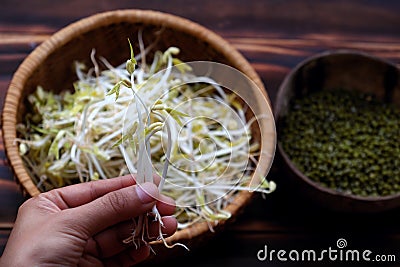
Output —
(345, 140)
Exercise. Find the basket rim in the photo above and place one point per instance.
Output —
(87, 24)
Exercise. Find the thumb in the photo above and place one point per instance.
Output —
(114, 207)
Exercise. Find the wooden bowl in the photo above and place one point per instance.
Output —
(329, 70)
(50, 65)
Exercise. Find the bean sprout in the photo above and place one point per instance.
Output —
(157, 118)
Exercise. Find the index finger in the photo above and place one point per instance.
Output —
(114, 207)
(80, 194)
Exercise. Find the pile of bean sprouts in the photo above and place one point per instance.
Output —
(143, 119)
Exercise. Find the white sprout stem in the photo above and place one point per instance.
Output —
(142, 49)
(167, 158)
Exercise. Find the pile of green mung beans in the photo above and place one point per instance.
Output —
(345, 140)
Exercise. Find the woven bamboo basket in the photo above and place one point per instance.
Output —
(49, 65)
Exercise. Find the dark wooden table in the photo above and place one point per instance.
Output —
(274, 36)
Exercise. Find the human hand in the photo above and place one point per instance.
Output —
(85, 225)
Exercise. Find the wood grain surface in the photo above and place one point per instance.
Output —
(274, 36)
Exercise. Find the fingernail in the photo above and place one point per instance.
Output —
(147, 192)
